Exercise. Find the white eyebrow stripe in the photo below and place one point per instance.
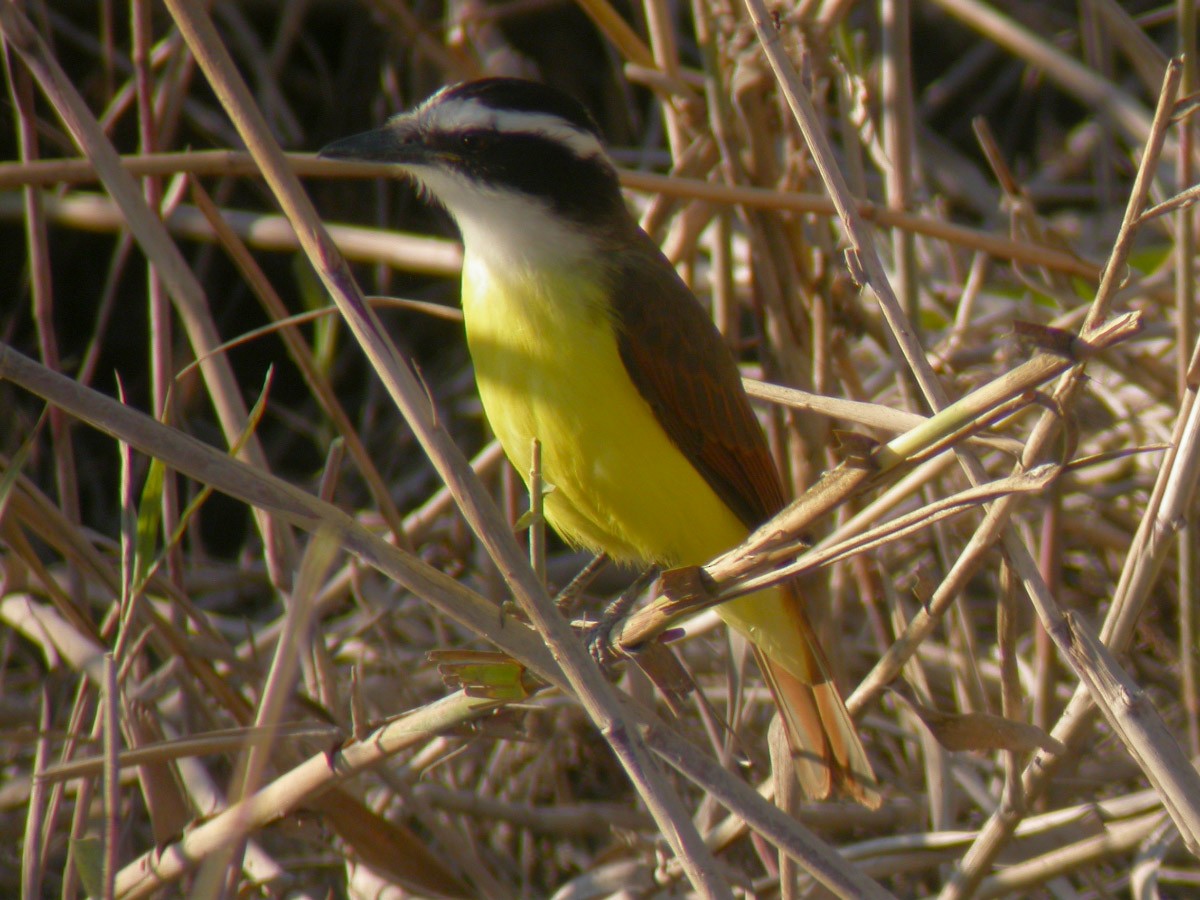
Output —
(461, 115)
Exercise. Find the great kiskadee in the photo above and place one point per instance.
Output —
(584, 336)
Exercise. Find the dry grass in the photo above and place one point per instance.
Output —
(217, 680)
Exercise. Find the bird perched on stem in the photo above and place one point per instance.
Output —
(584, 337)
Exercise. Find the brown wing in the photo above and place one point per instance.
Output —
(682, 367)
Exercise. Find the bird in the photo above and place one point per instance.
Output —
(585, 338)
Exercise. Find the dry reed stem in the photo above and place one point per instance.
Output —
(88, 211)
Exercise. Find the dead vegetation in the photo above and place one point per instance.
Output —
(959, 233)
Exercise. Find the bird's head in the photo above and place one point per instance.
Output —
(519, 165)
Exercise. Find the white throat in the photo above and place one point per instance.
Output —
(503, 230)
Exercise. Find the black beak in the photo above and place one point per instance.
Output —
(396, 142)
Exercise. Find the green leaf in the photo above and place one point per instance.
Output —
(314, 297)
(89, 864)
(149, 523)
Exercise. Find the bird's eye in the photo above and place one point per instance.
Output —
(471, 142)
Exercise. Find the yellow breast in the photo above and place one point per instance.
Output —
(548, 367)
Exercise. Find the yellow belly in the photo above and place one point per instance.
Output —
(547, 367)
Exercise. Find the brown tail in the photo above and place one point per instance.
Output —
(825, 747)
